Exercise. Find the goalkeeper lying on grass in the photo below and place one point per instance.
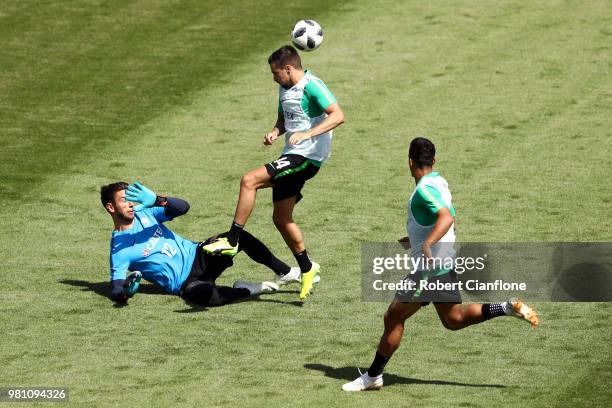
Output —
(141, 243)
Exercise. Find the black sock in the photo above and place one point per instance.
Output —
(279, 267)
(257, 251)
(303, 261)
(234, 233)
(491, 310)
(378, 365)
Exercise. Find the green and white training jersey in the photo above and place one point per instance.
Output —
(303, 108)
(430, 195)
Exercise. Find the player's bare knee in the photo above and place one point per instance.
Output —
(453, 322)
(251, 181)
(392, 318)
(281, 220)
(247, 182)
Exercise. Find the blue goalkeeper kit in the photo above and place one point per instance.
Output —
(162, 256)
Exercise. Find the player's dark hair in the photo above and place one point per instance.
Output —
(108, 191)
(422, 152)
(285, 55)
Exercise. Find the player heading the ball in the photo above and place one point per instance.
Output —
(307, 114)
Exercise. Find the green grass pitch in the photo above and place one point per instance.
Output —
(517, 96)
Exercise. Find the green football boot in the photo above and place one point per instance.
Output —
(221, 246)
(308, 280)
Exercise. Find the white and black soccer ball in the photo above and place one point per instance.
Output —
(307, 35)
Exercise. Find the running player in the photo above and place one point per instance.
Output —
(431, 232)
(143, 244)
(307, 113)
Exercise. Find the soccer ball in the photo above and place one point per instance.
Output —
(307, 35)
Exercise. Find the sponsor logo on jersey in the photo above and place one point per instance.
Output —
(152, 242)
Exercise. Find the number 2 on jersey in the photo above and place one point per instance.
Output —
(168, 250)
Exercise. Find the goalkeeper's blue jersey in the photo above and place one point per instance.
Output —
(162, 256)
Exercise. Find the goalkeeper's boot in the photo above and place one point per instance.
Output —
(308, 279)
(364, 382)
(221, 246)
(293, 276)
(515, 307)
(256, 288)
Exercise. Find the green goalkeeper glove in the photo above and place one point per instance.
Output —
(131, 284)
(137, 193)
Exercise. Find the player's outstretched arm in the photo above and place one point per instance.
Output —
(335, 117)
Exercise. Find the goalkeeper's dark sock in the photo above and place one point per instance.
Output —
(234, 233)
(279, 267)
(378, 365)
(260, 253)
(303, 261)
(491, 310)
